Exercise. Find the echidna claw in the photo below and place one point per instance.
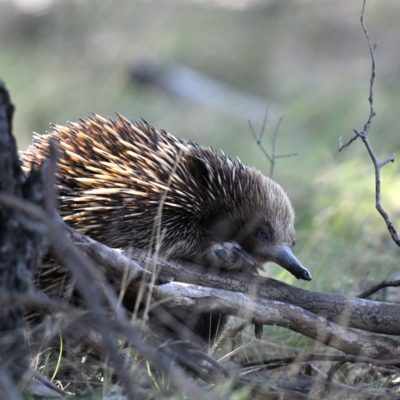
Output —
(231, 256)
(222, 254)
(247, 257)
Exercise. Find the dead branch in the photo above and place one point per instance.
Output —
(38, 301)
(96, 291)
(377, 287)
(363, 135)
(301, 358)
(264, 301)
(87, 276)
(258, 138)
(43, 387)
(352, 312)
(359, 359)
(268, 312)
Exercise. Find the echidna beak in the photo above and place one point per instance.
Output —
(286, 259)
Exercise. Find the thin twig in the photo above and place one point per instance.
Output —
(377, 287)
(341, 147)
(279, 362)
(258, 141)
(359, 359)
(258, 138)
(39, 301)
(287, 155)
(264, 124)
(211, 360)
(47, 382)
(363, 135)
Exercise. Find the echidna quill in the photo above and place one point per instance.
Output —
(115, 177)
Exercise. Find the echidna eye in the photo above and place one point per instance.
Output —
(263, 234)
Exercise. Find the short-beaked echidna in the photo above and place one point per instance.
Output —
(119, 179)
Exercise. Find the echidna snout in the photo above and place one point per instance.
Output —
(259, 247)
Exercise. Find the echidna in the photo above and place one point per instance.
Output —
(116, 177)
(119, 181)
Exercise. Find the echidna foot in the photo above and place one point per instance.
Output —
(230, 256)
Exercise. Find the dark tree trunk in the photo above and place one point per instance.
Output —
(23, 242)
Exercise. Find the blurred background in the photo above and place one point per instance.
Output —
(203, 69)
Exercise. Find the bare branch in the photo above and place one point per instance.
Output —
(95, 290)
(258, 141)
(389, 159)
(377, 287)
(278, 362)
(287, 155)
(372, 316)
(359, 359)
(268, 312)
(271, 158)
(273, 145)
(363, 135)
(264, 124)
(341, 147)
